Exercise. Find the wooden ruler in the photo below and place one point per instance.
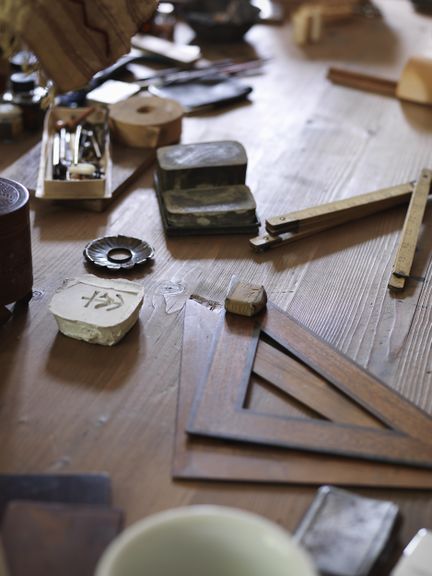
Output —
(410, 231)
(293, 226)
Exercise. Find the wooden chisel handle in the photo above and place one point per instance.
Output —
(362, 82)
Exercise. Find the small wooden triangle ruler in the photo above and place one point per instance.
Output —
(380, 425)
(294, 226)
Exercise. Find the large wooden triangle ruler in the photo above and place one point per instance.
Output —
(213, 458)
(288, 228)
(382, 426)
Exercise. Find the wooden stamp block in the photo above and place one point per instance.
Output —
(245, 299)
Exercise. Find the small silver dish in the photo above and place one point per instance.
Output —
(118, 252)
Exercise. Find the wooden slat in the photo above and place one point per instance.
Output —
(300, 382)
(410, 232)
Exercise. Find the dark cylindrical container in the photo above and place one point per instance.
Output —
(16, 276)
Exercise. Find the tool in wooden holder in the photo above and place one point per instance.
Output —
(382, 426)
(293, 226)
(414, 84)
(309, 19)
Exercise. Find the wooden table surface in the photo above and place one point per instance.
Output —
(67, 406)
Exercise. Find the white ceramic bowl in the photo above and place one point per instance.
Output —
(204, 541)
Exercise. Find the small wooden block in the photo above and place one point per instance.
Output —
(415, 83)
(208, 164)
(245, 299)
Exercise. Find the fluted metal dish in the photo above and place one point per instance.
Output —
(118, 252)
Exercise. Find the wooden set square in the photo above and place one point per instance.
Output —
(364, 433)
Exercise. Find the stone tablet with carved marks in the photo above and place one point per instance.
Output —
(97, 310)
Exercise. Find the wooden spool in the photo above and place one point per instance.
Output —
(146, 121)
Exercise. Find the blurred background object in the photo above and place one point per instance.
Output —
(72, 40)
(424, 6)
(220, 20)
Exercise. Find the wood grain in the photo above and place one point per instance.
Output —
(68, 406)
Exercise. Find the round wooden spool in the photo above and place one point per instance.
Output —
(146, 121)
(16, 277)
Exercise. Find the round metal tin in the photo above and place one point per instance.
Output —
(118, 252)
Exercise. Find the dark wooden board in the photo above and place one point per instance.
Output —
(204, 458)
(42, 539)
(92, 489)
(127, 165)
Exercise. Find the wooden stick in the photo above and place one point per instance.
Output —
(363, 82)
(410, 232)
(344, 210)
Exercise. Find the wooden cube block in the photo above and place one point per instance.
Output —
(245, 299)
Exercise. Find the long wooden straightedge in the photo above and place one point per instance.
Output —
(303, 223)
(205, 458)
(410, 231)
(220, 405)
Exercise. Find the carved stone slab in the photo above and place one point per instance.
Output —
(97, 310)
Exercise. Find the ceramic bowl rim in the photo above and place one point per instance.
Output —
(185, 513)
